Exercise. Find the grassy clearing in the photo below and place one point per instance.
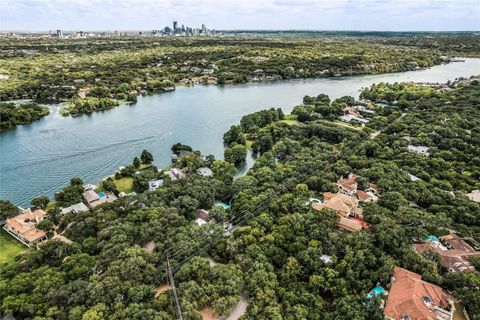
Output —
(9, 247)
(290, 122)
(125, 184)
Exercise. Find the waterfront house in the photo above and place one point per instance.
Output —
(454, 252)
(411, 298)
(92, 199)
(75, 208)
(24, 226)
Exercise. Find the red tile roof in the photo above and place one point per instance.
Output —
(412, 298)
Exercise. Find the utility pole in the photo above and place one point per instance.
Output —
(178, 310)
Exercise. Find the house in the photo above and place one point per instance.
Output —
(62, 238)
(92, 199)
(474, 195)
(350, 118)
(454, 252)
(346, 207)
(202, 214)
(175, 174)
(154, 184)
(205, 172)
(365, 196)
(413, 177)
(348, 185)
(75, 208)
(419, 149)
(411, 298)
(180, 155)
(200, 222)
(24, 226)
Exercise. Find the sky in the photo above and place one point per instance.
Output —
(385, 15)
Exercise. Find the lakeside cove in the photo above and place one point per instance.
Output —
(40, 158)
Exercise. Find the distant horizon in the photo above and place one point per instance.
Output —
(254, 30)
(246, 15)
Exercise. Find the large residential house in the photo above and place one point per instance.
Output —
(92, 199)
(24, 226)
(349, 186)
(454, 252)
(75, 208)
(411, 298)
(346, 207)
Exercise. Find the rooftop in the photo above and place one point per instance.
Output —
(412, 298)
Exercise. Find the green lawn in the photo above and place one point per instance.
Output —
(9, 247)
(124, 184)
(290, 122)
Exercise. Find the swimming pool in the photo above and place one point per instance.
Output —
(432, 238)
(222, 204)
(378, 290)
(315, 201)
(101, 195)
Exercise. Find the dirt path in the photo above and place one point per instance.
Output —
(240, 308)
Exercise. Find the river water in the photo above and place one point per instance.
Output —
(40, 158)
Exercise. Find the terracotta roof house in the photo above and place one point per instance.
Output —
(348, 185)
(411, 298)
(454, 252)
(346, 207)
(24, 226)
(342, 204)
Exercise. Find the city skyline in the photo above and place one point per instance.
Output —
(362, 15)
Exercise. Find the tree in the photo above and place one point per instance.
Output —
(40, 202)
(136, 162)
(236, 154)
(7, 210)
(224, 171)
(76, 182)
(234, 134)
(146, 157)
(109, 185)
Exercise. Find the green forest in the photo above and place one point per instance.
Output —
(272, 251)
(12, 115)
(99, 73)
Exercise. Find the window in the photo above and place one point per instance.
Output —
(427, 300)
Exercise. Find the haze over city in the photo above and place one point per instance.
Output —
(389, 15)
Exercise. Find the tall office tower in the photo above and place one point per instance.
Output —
(175, 26)
(183, 28)
(59, 34)
(204, 29)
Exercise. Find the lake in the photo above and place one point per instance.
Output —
(40, 158)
